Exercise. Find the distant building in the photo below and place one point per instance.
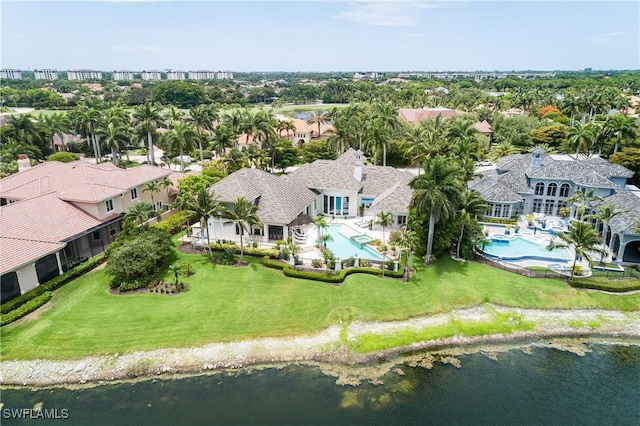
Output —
(176, 75)
(122, 75)
(202, 75)
(224, 75)
(10, 75)
(151, 75)
(45, 74)
(84, 75)
(368, 74)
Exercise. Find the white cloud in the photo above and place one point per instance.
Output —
(386, 14)
(152, 49)
(606, 37)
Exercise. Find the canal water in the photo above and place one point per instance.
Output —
(537, 386)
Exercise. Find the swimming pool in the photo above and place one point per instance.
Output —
(518, 248)
(343, 247)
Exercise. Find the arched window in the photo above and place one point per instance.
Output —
(551, 189)
(564, 190)
(539, 188)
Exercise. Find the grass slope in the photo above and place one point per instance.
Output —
(232, 303)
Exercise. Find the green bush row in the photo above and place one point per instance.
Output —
(53, 284)
(25, 308)
(503, 221)
(615, 285)
(251, 251)
(173, 224)
(333, 278)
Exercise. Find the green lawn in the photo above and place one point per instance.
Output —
(233, 303)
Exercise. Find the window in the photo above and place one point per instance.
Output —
(539, 188)
(549, 207)
(109, 204)
(160, 205)
(402, 219)
(112, 233)
(551, 190)
(564, 190)
(134, 194)
(96, 236)
(537, 205)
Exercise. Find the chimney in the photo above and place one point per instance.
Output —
(358, 163)
(23, 163)
(536, 159)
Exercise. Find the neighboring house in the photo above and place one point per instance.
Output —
(540, 183)
(329, 187)
(61, 144)
(55, 213)
(302, 134)
(418, 115)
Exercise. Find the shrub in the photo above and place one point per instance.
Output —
(228, 257)
(316, 263)
(173, 224)
(26, 308)
(247, 250)
(53, 284)
(63, 157)
(135, 284)
(186, 268)
(266, 261)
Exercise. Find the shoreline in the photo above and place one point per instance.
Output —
(326, 349)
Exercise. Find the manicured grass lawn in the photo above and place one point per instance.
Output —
(232, 303)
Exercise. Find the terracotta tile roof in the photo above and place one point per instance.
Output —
(416, 116)
(15, 252)
(483, 127)
(302, 126)
(80, 181)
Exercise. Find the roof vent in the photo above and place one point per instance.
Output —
(23, 163)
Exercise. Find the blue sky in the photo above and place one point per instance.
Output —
(321, 35)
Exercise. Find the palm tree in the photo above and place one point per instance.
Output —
(182, 137)
(406, 241)
(175, 270)
(152, 187)
(385, 219)
(604, 214)
(223, 139)
(318, 117)
(202, 118)
(321, 223)
(471, 204)
(166, 183)
(620, 128)
(56, 124)
(503, 149)
(583, 238)
(202, 206)
(148, 118)
(581, 135)
(140, 212)
(583, 199)
(114, 136)
(323, 239)
(243, 215)
(436, 192)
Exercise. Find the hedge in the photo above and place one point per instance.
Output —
(25, 308)
(173, 224)
(615, 286)
(251, 251)
(53, 284)
(334, 278)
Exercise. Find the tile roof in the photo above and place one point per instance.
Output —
(624, 200)
(483, 126)
(328, 174)
(605, 168)
(15, 252)
(414, 115)
(280, 198)
(396, 198)
(80, 181)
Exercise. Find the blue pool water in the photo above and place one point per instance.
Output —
(343, 248)
(518, 248)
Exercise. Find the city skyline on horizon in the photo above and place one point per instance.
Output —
(321, 36)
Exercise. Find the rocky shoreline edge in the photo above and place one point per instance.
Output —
(327, 350)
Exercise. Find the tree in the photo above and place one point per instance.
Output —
(243, 215)
(407, 239)
(583, 238)
(55, 124)
(140, 212)
(86, 120)
(181, 138)
(114, 137)
(321, 223)
(152, 187)
(621, 129)
(385, 219)
(180, 93)
(202, 118)
(629, 158)
(323, 239)
(318, 117)
(166, 183)
(471, 204)
(583, 199)
(175, 270)
(436, 193)
(203, 206)
(581, 135)
(148, 118)
(604, 214)
(223, 139)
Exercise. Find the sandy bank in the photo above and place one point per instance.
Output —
(326, 347)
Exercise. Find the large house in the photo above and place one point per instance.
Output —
(540, 183)
(54, 214)
(335, 188)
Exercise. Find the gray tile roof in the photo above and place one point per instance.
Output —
(327, 174)
(624, 200)
(396, 198)
(281, 199)
(607, 169)
(492, 189)
(377, 179)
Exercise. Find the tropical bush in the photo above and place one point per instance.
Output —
(26, 308)
(251, 251)
(174, 224)
(63, 157)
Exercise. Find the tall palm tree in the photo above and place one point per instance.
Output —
(503, 149)
(581, 135)
(148, 117)
(182, 137)
(151, 188)
(385, 116)
(583, 199)
(243, 214)
(385, 219)
(223, 139)
(620, 128)
(56, 124)
(202, 206)
(140, 212)
(318, 117)
(166, 183)
(583, 238)
(471, 204)
(86, 120)
(436, 193)
(604, 214)
(114, 137)
(202, 118)
(406, 241)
